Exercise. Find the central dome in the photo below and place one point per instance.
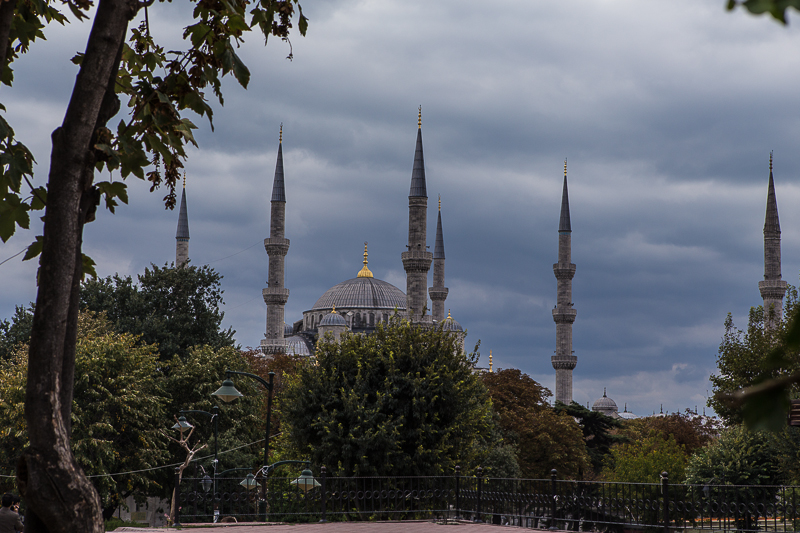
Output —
(362, 292)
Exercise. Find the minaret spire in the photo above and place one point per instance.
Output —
(564, 314)
(182, 235)
(417, 259)
(438, 292)
(275, 294)
(773, 288)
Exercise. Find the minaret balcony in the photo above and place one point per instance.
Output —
(773, 288)
(564, 271)
(276, 246)
(438, 293)
(417, 261)
(275, 295)
(564, 362)
(564, 315)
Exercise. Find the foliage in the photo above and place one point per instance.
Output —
(174, 308)
(191, 381)
(776, 8)
(759, 357)
(284, 366)
(597, 430)
(643, 460)
(117, 413)
(401, 401)
(690, 431)
(739, 457)
(543, 438)
(16, 331)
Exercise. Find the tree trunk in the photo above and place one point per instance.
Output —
(58, 495)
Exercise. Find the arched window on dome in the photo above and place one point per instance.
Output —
(372, 320)
(320, 319)
(358, 320)
(386, 317)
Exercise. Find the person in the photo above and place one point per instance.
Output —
(10, 522)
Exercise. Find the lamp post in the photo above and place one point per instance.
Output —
(214, 418)
(227, 393)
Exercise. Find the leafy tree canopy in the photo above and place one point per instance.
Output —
(753, 356)
(688, 430)
(597, 430)
(117, 415)
(543, 439)
(174, 308)
(401, 401)
(643, 460)
(15, 331)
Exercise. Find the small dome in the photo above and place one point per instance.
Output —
(287, 330)
(333, 319)
(450, 324)
(605, 405)
(627, 415)
(297, 345)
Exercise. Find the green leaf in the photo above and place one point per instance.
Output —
(39, 198)
(13, 213)
(240, 71)
(34, 249)
(87, 265)
(766, 410)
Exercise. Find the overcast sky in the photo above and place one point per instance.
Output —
(666, 110)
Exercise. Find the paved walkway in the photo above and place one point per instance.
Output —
(405, 526)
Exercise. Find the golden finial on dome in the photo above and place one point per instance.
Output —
(419, 118)
(490, 363)
(365, 272)
(448, 315)
(184, 178)
(280, 135)
(334, 309)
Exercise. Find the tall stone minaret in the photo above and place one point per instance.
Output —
(564, 314)
(438, 292)
(773, 288)
(417, 259)
(275, 294)
(182, 235)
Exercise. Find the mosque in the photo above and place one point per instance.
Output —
(361, 304)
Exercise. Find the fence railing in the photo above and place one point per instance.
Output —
(528, 503)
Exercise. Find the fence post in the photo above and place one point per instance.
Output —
(477, 518)
(323, 497)
(665, 496)
(458, 493)
(553, 474)
(177, 497)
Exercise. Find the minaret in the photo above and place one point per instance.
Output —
(564, 314)
(182, 235)
(417, 259)
(275, 294)
(438, 292)
(773, 288)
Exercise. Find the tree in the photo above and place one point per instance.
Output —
(757, 356)
(688, 430)
(776, 8)
(174, 308)
(738, 457)
(543, 439)
(118, 410)
(597, 431)
(401, 401)
(158, 86)
(643, 460)
(16, 331)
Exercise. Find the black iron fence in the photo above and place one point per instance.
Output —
(528, 503)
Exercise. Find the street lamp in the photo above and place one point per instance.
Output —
(227, 393)
(306, 481)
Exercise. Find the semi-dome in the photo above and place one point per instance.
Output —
(287, 329)
(362, 292)
(297, 345)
